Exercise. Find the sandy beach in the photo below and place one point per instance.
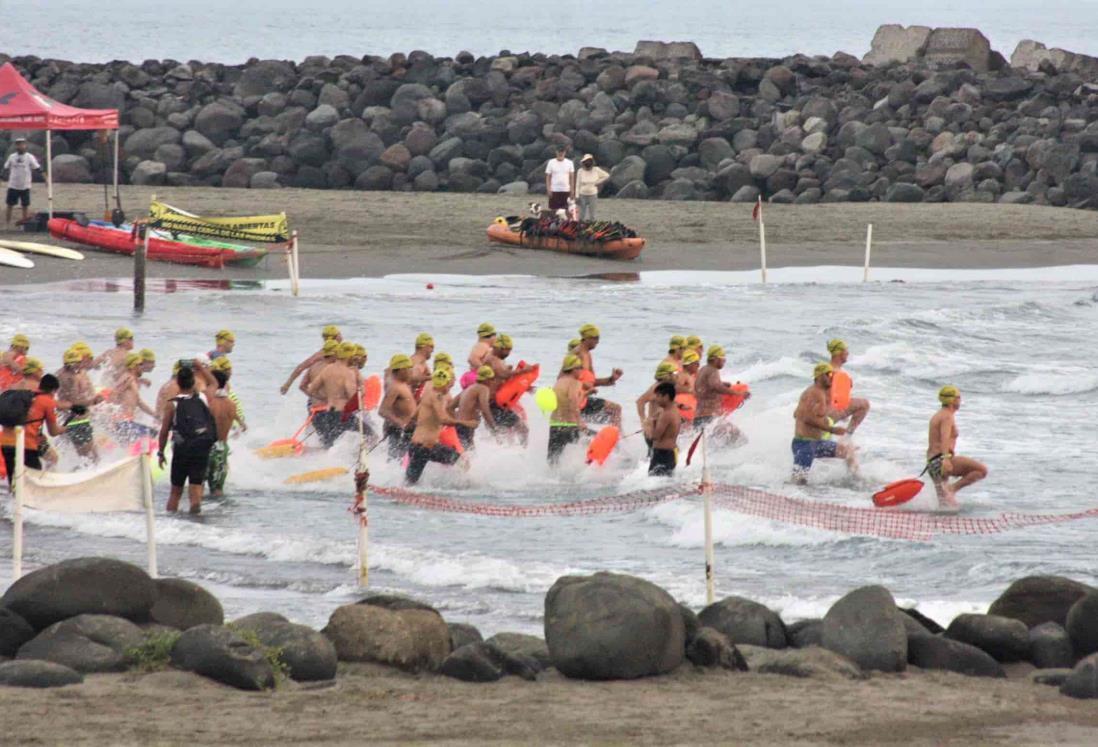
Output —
(356, 234)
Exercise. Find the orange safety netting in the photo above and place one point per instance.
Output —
(871, 521)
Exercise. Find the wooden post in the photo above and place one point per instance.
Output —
(150, 521)
(140, 256)
(707, 490)
(291, 259)
(762, 241)
(868, 249)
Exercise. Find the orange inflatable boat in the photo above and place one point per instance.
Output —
(615, 249)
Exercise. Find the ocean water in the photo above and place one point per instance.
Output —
(210, 30)
(1014, 341)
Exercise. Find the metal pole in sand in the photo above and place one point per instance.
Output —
(291, 260)
(17, 514)
(707, 490)
(868, 249)
(362, 477)
(150, 523)
(762, 243)
(117, 200)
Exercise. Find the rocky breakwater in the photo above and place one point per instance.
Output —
(928, 115)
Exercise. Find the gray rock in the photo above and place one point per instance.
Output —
(172, 155)
(482, 661)
(1038, 599)
(731, 178)
(14, 632)
(31, 673)
(143, 143)
(811, 662)
(183, 604)
(425, 181)
(195, 144)
(679, 190)
(239, 175)
(876, 138)
(713, 150)
(723, 105)
(523, 644)
(958, 180)
(1052, 677)
(354, 146)
(678, 134)
(814, 143)
(1006, 640)
(612, 626)
(1083, 680)
(1036, 57)
(1082, 624)
(266, 180)
(420, 139)
(710, 648)
(263, 77)
(70, 169)
(743, 621)
(446, 150)
(219, 120)
(514, 188)
(308, 655)
(258, 619)
(462, 634)
(658, 50)
(411, 638)
(747, 193)
(895, 43)
(634, 190)
(902, 192)
(1016, 198)
(219, 653)
(764, 165)
(935, 652)
(86, 643)
(94, 95)
(1050, 646)
(396, 157)
(630, 169)
(322, 117)
(866, 627)
(272, 104)
(953, 45)
(1057, 159)
(804, 633)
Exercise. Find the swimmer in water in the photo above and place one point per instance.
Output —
(77, 395)
(126, 397)
(473, 404)
(646, 403)
(664, 425)
(675, 350)
(693, 342)
(331, 390)
(709, 388)
(486, 338)
(813, 429)
(942, 462)
(856, 409)
(224, 342)
(115, 358)
(223, 411)
(398, 406)
(421, 362)
(566, 424)
(32, 375)
(330, 332)
(11, 361)
(328, 357)
(689, 372)
(433, 413)
(597, 409)
(505, 418)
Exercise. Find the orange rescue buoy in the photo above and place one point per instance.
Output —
(598, 451)
(511, 391)
(840, 390)
(897, 493)
(734, 401)
(688, 406)
(448, 436)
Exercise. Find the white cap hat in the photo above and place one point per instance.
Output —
(587, 157)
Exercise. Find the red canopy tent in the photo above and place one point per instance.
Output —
(23, 107)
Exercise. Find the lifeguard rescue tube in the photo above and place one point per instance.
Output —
(688, 406)
(897, 493)
(598, 451)
(511, 391)
(732, 402)
(448, 436)
(840, 390)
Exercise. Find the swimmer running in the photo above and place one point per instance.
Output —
(941, 461)
(856, 409)
(709, 388)
(597, 409)
(813, 429)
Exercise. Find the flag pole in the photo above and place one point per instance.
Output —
(868, 249)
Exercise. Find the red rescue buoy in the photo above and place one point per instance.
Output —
(732, 402)
(448, 436)
(897, 493)
(602, 444)
(430, 286)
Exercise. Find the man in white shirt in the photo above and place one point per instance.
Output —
(588, 180)
(560, 179)
(19, 166)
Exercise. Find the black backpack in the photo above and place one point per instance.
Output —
(14, 405)
(193, 424)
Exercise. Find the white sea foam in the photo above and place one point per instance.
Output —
(1058, 381)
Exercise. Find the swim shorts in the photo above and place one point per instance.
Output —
(218, 466)
(504, 417)
(595, 409)
(465, 436)
(80, 431)
(663, 462)
(189, 465)
(934, 466)
(398, 439)
(807, 450)
(559, 437)
(130, 431)
(329, 425)
(23, 197)
(702, 421)
(419, 455)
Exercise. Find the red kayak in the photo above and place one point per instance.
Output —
(121, 241)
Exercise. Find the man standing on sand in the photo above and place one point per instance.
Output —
(846, 407)
(330, 332)
(813, 429)
(664, 426)
(432, 415)
(472, 404)
(566, 424)
(223, 411)
(560, 179)
(188, 420)
(941, 461)
(597, 409)
(398, 407)
(588, 180)
(709, 388)
(19, 168)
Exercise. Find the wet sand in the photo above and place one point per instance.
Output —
(378, 705)
(355, 234)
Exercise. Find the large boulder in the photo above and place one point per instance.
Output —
(183, 604)
(219, 120)
(866, 627)
(1083, 680)
(32, 673)
(811, 662)
(659, 50)
(263, 77)
(354, 146)
(1031, 55)
(144, 142)
(14, 632)
(1050, 646)
(149, 174)
(612, 626)
(630, 169)
(1004, 639)
(895, 43)
(70, 169)
(239, 175)
(218, 652)
(804, 633)
(462, 634)
(711, 648)
(949, 46)
(526, 645)
(935, 652)
(411, 638)
(86, 643)
(1082, 624)
(1038, 599)
(764, 165)
(308, 655)
(743, 621)
(481, 661)
(83, 585)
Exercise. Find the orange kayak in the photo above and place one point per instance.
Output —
(616, 249)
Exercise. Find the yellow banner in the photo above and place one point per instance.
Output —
(260, 228)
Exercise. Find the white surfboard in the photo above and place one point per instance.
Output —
(14, 259)
(47, 249)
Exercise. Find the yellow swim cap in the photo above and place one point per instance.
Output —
(948, 394)
(133, 359)
(821, 369)
(444, 358)
(573, 344)
(222, 364)
(423, 340)
(84, 350)
(714, 352)
(346, 350)
(21, 341)
(690, 356)
(693, 341)
(330, 347)
(147, 355)
(225, 336)
(588, 331)
(122, 334)
(571, 363)
(330, 332)
(484, 373)
(442, 377)
(504, 342)
(665, 370)
(485, 330)
(72, 356)
(360, 351)
(32, 366)
(835, 346)
(399, 361)
(678, 342)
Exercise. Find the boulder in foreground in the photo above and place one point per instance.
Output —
(86, 643)
(935, 652)
(404, 634)
(219, 653)
(308, 655)
(33, 673)
(183, 604)
(483, 661)
(745, 622)
(1083, 680)
(1004, 639)
(1039, 599)
(865, 626)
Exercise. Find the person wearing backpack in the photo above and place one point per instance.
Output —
(187, 419)
(32, 410)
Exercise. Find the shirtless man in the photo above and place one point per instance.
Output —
(664, 427)
(646, 403)
(597, 409)
(115, 358)
(566, 424)
(708, 388)
(224, 342)
(675, 349)
(573, 344)
(444, 359)
(148, 365)
(332, 388)
(331, 332)
(505, 418)
(432, 415)
(857, 409)
(223, 410)
(126, 397)
(77, 395)
(328, 357)
(486, 338)
(421, 361)
(813, 429)
(693, 342)
(398, 406)
(32, 375)
(472, 404)
(689, 373)
(225, 365)
(170, 390)
(11, 361)
(942, 462)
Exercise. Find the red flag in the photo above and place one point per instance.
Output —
(757, 211)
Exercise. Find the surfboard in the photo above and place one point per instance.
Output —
(14, 259)
(46, 249)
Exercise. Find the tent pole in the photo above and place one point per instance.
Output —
(49, 172)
